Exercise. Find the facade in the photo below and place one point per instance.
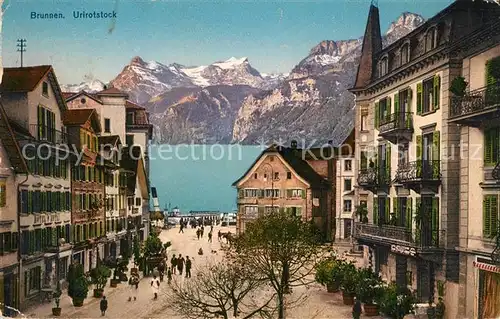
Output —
(409, 166)
(34, 107)
(477, 112)
(87, 187)
(345, 196)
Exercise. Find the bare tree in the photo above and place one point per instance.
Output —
(282, 249)
(218, 290)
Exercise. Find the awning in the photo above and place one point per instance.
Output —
(486, 267)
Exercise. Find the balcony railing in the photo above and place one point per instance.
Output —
(396, 121)
(418, 171)
(48, 134)
(417, 238)
(476, 101)
(496, 172)
(371, 177)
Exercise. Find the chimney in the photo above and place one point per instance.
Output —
(372, 44)
(294, 144)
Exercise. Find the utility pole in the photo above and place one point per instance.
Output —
(21, 47)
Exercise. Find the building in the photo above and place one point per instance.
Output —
(299, 181)
(9, 266)
(346, 166)
(34, 106)
(477, 112)
(87, 187)
(402, 107)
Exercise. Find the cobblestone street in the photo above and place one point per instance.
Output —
(318, 305)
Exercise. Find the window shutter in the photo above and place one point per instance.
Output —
(396, 103)
(375, 211)
(419, 98)
(388, 162)
(437, 91)
(488, 147)
(418, 215)
(288, 193)
(486, 216)
(435, 154)
(494, 215)
(261, 210)
(304, 193)
(409, 209)
(377, 114)
(410, 96)
(40, 122)
(387, 210)
(489, 79)
(419, 149)
(395, 206)
(30, 202)
(435, 221)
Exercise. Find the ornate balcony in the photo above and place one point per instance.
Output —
(420, 175)
(373, 179)
(476, 106)
(397, 127)
(47, 134)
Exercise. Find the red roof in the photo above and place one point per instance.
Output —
(67, 95)
(112, 91)
(132, 105)
(23, 79)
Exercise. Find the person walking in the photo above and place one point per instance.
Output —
(356, 309)
(161, 270)
(198, 233)
(219, 234)
(202, 231)
(181, 228)
(133, 283)
(169, 276)
(210, 237)
(180, 264)
(103, 305)
(173, 262)
(155, 286)
(188, 267)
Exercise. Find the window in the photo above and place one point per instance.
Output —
(129, 139)
(382, 111)
(270, 209)
(130, 201)
(251, 211)
(3, 194)
(295, 193)
(347, 205)
(427, 147)
(347, 165)
(45, 88)
(404, 106)
(107, 125)
(403, 154)
(431, 39)
(46, 124)
(33, 279)
(63, 266)
(130, 118)
(294, 211)
(271, 158)
(138, 201)
(347, 184)
(405, 53)
(276, 176)
(364, 160)
(288, 175)
(428, 95)
(364, 118)
(273, 193)
(83, 101)
(492, 146)
(252, 192)
(490, 216)
(255, 175)
(383, 66)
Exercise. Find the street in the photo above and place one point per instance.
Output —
(318, 305)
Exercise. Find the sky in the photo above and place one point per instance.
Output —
(274, 35)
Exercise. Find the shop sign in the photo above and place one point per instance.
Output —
(404, 250)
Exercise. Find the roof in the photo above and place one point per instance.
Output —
(113, 92)
(132, 105)
(73, 96)
(23, 79)
(78, 117)
(67, 95)
(293, 158)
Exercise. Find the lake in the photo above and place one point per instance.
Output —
(199, 177)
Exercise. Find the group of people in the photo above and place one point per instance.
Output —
(200, 231)
(178, 263)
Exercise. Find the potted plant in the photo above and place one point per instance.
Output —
(440, 307)
(368, 290)
(56, 311)
(396, 302)
(362, 213)
(77, 284)
(99, 277)
(458, 86)
(348, 282)
(327, 273)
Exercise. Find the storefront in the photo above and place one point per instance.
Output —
(8, 290)
(488, 288)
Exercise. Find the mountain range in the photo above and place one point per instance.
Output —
(230, 101)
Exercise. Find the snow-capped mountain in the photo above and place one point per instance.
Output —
(145, 80)
(406, 23)
(91, 86)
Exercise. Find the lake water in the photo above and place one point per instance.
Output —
(199, 177)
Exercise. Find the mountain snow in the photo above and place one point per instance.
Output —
(92, 86)
(231, 63)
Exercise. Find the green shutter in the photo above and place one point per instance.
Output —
(395, 207)
(419, 98)
(377, 114)
(396, 103)
(388, 162)
(388, 107)
(435, 220)
(436, 154)
(387, 210)
(489, 79)
(488, 146)
(437, 91)
(490, 216)
(410, 96)
(304, 194)
(40, 122)
(375, 211)
(418, 212)
(409, 209)
(419, 149)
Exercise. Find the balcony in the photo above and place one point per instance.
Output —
(476, 106)
(46, 134)
(373, 179)
(420, 175)
(425, 243)
(397, 127)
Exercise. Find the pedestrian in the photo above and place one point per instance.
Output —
(155, 286)
(211, 227)
(202, 231)
(210, 237)
(181, 229)
(198, 233)
(180, 264)
(169, 276)
(173, 262)
(161, 270)
(188, 267)
(356, 309)
(133, 287)
(219, 234)
(103, 305)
